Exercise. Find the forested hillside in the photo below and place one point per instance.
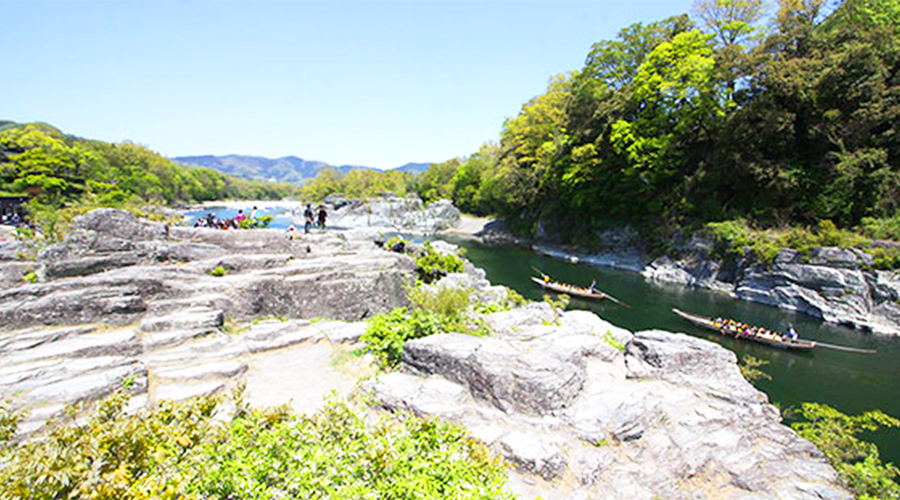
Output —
(61, 170)
(286, 169)
(786, 118)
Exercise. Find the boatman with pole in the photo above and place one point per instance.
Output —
(792, 333)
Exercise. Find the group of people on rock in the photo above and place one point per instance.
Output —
(739, 329)
(310, 218)
(227, 223)
(11, 219)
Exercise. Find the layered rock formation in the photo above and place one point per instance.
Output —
(583, 409)
(149, 311)
(833, 284)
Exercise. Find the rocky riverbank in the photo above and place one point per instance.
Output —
(833, 284)
(578, 407)
(123, 299)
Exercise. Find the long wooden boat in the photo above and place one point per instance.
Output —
(575, 291)
(775, 340)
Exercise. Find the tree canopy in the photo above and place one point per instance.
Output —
(59, 170)
(684, 121)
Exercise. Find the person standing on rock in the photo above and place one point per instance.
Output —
(322, 215)
(308, 215)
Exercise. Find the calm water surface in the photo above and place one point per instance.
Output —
(852, 383)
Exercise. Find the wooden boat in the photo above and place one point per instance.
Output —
(776, 340)
(575, 291)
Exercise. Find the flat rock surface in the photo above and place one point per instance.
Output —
(301, 376)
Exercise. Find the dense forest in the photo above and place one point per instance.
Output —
(780, 116)
(61, 170)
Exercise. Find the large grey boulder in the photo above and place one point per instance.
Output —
(670, 417)
(686, 360)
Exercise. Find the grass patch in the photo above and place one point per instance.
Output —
(352, 362)
(218, 272)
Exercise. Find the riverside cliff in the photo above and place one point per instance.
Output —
(834, 284)
(578, 407)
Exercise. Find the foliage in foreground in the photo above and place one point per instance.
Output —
(180, 451)
(857, 461)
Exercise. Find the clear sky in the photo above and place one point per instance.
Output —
(372, 83)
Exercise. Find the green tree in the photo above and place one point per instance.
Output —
(858, 461)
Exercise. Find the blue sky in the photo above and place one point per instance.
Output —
(368, 82)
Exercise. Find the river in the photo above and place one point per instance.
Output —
(852, 383)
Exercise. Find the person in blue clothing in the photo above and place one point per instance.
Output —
(792, 333)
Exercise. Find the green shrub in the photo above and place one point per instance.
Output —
(336, 455)
(881, 229)
(731, 236)
(180, 450)
(558, 305)
(799, 238)
(856, 460)
(24, 233)
(451, 305)
(444, 301)
(9, 422)
(735, 237)
(885, 258)
(218, 272)
(387, 332)
(432, 266)
(30, 277)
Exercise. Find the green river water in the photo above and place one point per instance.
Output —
(852, 383)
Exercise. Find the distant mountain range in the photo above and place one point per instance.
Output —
(287, 169)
